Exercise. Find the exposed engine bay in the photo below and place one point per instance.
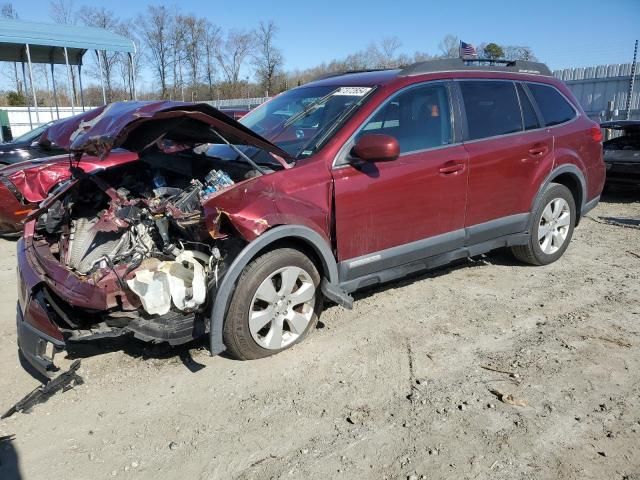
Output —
(142, 226)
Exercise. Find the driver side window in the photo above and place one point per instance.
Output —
(419, 118)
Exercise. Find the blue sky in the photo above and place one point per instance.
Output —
(561, 32)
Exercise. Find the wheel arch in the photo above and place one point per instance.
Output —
(302, 236)
(571, 177)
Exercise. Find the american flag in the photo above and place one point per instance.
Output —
(467, 50)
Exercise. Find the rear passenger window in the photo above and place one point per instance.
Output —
(529, 116)
(418, 118)
(492, 108)
(554, 107)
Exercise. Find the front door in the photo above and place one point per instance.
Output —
(391, 213)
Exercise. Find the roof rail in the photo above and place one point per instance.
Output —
(462, 64)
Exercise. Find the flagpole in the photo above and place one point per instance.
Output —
(632, 81)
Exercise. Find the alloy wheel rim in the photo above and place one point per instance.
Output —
(553, 228)
(282, 308)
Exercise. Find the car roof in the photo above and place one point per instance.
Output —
(450, 66)
(356, 78)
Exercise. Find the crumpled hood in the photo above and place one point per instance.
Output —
(136, 126)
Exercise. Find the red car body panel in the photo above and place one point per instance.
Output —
(264, 202)
(136, 125)
(35, 179)
(386, 204)
(502, 173)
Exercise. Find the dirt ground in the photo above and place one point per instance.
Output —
(399, 387)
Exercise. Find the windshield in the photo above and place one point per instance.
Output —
(32, 135)
(301, 120)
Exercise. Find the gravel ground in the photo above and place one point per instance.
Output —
(486, 369)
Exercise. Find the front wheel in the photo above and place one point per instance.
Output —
(276, 303)
(551, 228)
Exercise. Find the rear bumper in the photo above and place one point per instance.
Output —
(623, 172)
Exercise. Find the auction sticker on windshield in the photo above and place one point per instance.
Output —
(353, 91)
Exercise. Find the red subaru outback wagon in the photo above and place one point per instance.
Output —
(176, 221)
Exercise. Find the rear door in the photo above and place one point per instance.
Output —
(411, 202)
(510, 153)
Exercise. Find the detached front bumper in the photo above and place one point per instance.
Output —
(45, 314)
(39, 338)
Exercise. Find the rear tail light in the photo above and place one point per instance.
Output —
(596, 134)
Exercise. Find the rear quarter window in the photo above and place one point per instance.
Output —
(491, 108)
(555, 109)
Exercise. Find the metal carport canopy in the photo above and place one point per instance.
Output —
(47, 42)
(59, 44)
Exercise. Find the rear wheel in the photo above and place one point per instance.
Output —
(551, 228)
(276, 304)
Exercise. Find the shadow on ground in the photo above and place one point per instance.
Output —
(140, 350)
(621, 194)
(9, 465)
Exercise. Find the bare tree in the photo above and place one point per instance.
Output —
(195, 34)
(7, 10)
(388, 48)
(268, 58)
(62, 11)
(130, 69)
(211, 46)
(105, 19)
(233, 52)
(155, 26)
(422, 56)
(512, 52)
(177, 52)
(450, 46)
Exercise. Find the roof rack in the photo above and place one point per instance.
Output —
(462, 64)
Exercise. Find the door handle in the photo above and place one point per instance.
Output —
(449, 169)
(538, 151)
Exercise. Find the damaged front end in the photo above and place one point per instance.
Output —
(130, 250)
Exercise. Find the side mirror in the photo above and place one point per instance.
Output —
(375, 147)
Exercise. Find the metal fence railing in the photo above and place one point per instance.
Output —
(603, 90)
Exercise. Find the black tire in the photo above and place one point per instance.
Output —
(236, 333)
(532, 252)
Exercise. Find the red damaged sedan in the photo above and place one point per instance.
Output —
(169, 221)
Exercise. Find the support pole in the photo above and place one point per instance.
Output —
(73, 102)
(632, 81)
(33, 88)
(104, 92)
(134, 94)
(24, 82)
(46, 79)
(55, 92)
(80, 82)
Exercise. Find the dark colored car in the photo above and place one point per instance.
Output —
(235, 113)
(343, 183)
(622, 153)
(26, 147)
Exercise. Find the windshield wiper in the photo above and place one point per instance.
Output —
(309, 108)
